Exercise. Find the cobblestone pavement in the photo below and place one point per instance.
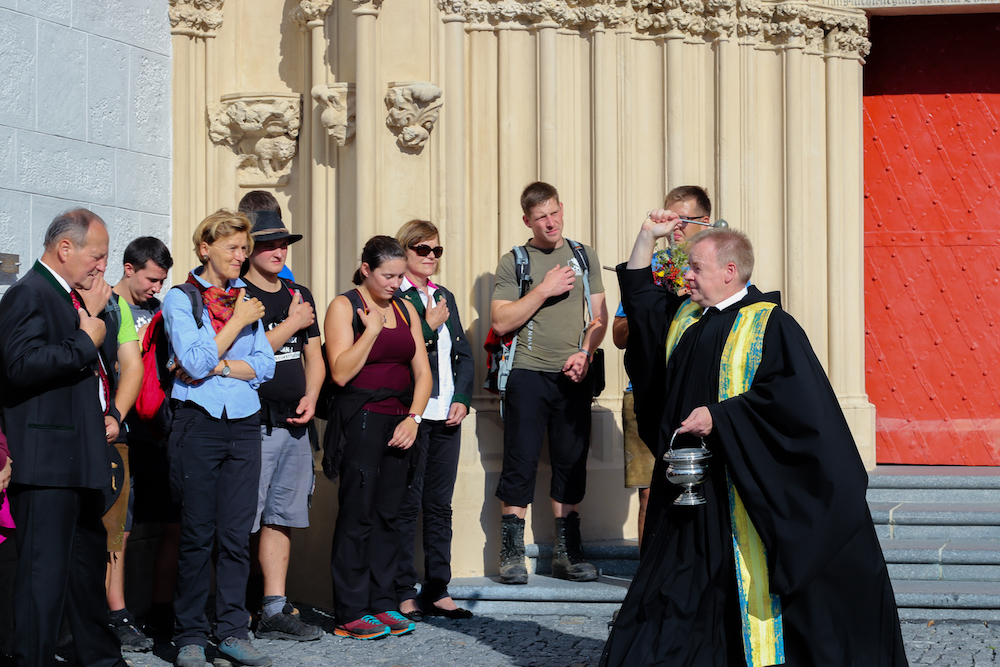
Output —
(552, 641)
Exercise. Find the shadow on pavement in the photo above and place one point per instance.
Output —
(528, 643)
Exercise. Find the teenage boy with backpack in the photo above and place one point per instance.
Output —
(549, 387)
(288, 403)
(144, 270)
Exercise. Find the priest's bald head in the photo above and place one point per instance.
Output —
(721, 262)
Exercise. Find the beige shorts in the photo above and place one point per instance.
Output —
(639, 460)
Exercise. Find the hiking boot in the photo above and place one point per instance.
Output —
(287, 626)
(191, 655)
(396, 622)
(132, 638)
(512, 569)
(568, 561)
(243, 652)
(366, 627)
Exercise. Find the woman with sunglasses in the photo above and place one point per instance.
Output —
(373, 343)
(439, 437)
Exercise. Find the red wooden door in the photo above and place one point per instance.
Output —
(932, 238)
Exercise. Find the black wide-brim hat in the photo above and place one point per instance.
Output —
(267, 226)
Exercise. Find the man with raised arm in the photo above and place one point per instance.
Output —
(781, 565)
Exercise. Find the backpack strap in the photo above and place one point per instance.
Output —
(522, 267)
(357, 301)
(584, 261)
(194, 296)
(114, 309)
(289, 285)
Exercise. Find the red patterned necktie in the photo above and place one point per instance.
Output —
(101, 373)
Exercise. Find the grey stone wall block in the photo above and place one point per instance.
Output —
(65, 169)
(143, 182)
(8, 4)
(150, 103)
(108, 92)
(61, 83)
(142, 23)
(156, 225)
(43, 211)
(58, 11)
(15, 228)
(123, 226)
(8, 142)
(17, 76)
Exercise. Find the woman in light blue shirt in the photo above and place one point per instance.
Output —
(214, 445)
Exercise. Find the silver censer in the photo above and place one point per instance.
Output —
(688, 468)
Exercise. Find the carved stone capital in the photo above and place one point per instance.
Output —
(370, 5)
(196, 18)
(413, 109)
(262, 129)
(338, 116)
(310, 11)
(819, 29)
(563, 14)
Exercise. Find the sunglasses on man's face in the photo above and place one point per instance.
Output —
(424, 250)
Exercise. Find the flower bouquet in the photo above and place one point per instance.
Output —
(669, 266)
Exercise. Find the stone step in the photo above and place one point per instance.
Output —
(618, 558)
(978, 595)
(541, 595)
(938, 520)
(938, 560)
(934, 477)
(956, 600)
(932, 495)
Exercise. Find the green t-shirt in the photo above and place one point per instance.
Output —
(126, 330)
(552, 334)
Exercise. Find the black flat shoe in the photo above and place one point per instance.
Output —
(416, 615)
(457, 614)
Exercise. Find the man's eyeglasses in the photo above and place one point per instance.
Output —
(424, 250)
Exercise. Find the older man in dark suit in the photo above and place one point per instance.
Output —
(59, 418)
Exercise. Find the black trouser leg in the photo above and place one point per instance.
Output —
(215, 468)
(237, 507)
(439, 487)
(62, 549)
(409, 510)
(365, 548)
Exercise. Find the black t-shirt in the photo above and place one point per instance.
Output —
(289, 382)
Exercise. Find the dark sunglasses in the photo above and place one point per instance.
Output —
(424, 250)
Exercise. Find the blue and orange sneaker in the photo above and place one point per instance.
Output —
(366, 627)
(396, 622)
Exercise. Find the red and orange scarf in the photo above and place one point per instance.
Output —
(219, 302)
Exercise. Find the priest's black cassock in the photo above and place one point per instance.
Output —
(791, 456)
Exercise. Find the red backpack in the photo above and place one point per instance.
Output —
(153, 403)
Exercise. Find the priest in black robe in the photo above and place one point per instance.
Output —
(785, 482)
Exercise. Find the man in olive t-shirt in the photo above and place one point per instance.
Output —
(549, 388)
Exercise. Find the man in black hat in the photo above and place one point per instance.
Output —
(288, 403)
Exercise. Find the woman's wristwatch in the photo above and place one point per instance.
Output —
(415, 417)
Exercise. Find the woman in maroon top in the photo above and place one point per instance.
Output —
(373, 344)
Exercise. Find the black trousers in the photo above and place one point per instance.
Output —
(433, 486)
(537, 402)
(214, 472)
(373, 480)
(62, 550)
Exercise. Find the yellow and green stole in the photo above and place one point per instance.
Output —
(763, 643)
